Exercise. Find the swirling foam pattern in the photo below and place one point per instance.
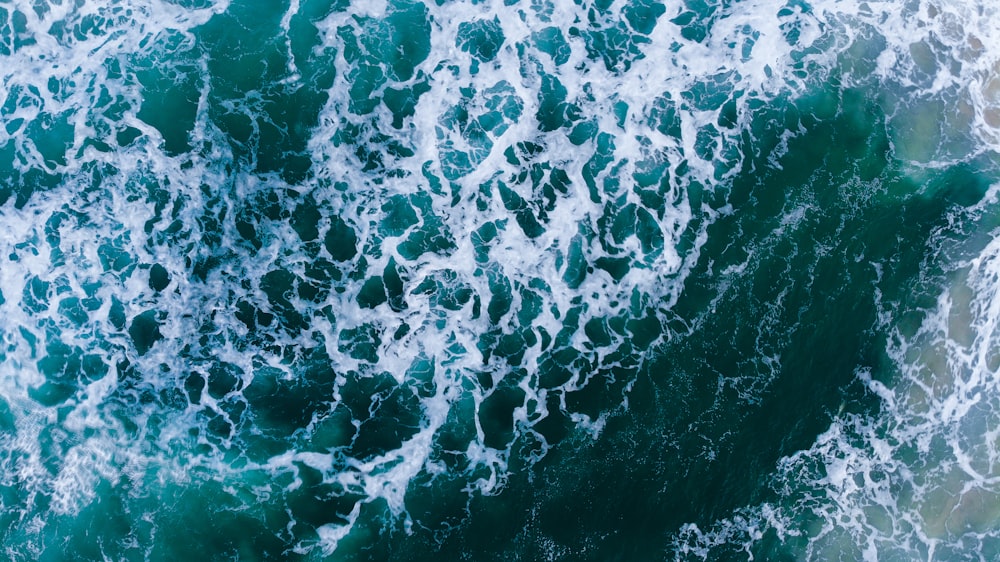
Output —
(518, 279)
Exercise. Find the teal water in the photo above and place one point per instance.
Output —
(405, 280)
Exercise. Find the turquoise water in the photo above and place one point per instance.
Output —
(520, 280)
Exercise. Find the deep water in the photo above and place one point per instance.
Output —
(521, 280)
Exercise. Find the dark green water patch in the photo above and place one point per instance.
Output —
(265, 98)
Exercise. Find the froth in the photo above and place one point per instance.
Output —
(524, 214)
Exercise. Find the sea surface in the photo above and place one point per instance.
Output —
(512, 280)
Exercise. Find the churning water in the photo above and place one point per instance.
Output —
(499, 280)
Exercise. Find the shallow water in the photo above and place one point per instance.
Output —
(519, 280)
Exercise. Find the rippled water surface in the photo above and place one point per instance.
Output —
(324, 280)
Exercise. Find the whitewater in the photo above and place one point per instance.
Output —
(518, 279)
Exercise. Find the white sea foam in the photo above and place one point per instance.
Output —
(752, 52)
(746, 51)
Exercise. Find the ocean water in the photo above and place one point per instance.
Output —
(565, 280)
